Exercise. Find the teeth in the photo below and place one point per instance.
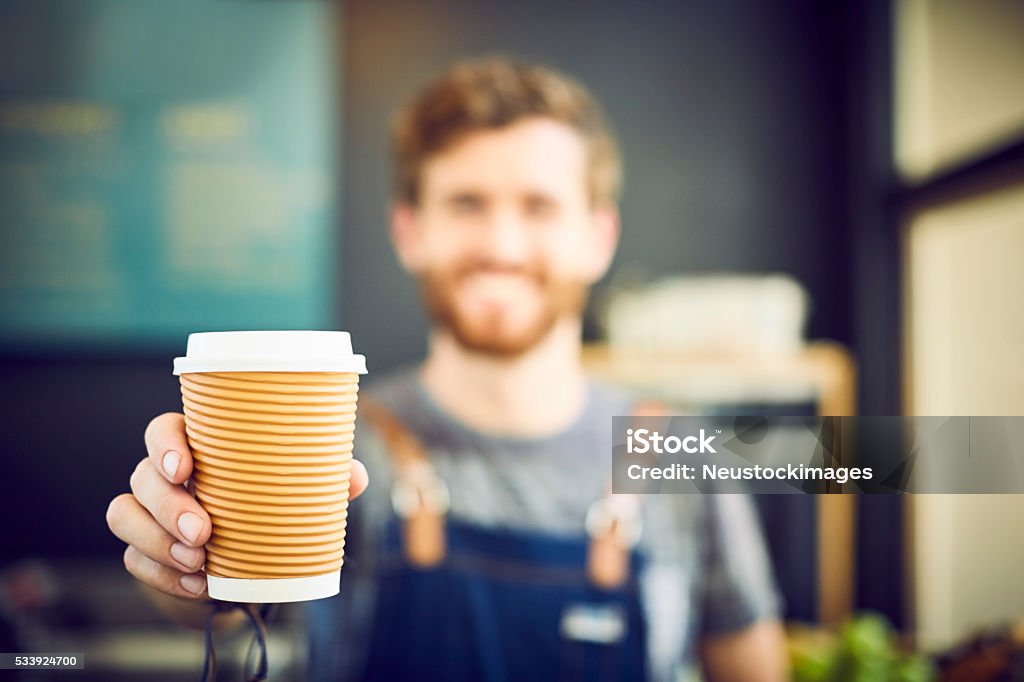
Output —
(495, 284)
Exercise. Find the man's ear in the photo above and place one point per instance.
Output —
(604, 240)
(405, 236)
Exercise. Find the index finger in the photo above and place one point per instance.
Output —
(167, 447)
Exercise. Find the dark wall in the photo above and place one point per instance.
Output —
(731, 115)
(70, 436)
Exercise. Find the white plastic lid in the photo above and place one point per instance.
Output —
(271, 351)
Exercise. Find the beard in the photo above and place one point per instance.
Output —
(490, 331)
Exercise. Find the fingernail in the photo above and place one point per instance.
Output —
(190, 526)
(186, 556)
(193, 583)
(171, 461)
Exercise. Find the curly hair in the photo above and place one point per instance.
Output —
(491, 93)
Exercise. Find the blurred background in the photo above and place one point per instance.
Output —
(840, 183)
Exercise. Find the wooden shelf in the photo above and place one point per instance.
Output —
(821, 372)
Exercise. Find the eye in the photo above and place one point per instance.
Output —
(539, 206)
(466, 204)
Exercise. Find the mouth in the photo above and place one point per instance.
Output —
(492, 289)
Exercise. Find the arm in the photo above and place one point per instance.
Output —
(742, 638)
(754, 654)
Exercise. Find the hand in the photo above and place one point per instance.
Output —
(163, 524)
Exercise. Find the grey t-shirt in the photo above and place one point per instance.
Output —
(707, 571)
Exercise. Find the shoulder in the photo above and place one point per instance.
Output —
(402, 394)
(393, 386)
(609, 400)
(622, 401)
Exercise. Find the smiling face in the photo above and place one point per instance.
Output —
(505, 239)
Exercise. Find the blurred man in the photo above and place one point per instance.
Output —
(489, 547)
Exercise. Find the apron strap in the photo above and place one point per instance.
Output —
(420, 498)
(418, 495)
(615, 525)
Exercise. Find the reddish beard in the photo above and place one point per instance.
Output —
(487, 332)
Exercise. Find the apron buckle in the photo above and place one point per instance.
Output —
(419, 489)
(618, 516)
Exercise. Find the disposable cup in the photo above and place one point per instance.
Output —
(270, 418)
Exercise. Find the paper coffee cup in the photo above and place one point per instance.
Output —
(270, 418)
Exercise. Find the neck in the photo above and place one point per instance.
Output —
(536, 394)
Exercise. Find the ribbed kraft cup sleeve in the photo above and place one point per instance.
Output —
(272, 461)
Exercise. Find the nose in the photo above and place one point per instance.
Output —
(506, 237)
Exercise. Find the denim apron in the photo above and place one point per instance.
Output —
(498, 605)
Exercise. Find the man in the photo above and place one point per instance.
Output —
(474, 555)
